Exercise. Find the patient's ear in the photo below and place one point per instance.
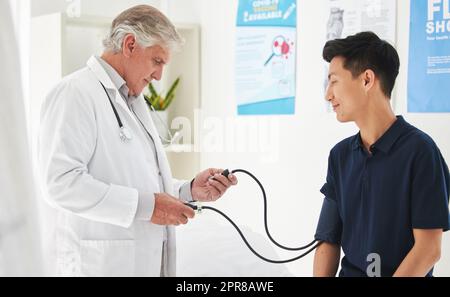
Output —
(368, 79)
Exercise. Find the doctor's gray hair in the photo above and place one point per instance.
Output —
(148, 25)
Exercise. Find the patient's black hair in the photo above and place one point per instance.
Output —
(365, 51)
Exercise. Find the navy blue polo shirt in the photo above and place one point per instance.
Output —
(374, 201)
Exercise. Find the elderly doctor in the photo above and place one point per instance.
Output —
(104, 167)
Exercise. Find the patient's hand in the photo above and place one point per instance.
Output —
(210, 185)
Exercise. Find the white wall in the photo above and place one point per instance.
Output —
(305, 139)
(183, 11)
(45, 71)
(104, 8)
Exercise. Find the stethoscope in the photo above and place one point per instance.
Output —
(308, 247)
(125, 134)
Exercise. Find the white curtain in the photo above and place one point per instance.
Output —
(20, 253)
(21, 17)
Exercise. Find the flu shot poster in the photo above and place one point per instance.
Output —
(265, 57)
(429, 56)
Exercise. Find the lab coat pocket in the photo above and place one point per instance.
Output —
(107, 257)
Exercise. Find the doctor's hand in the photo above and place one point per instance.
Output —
(210, 185)
(170, 211)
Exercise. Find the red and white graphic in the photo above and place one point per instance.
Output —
(281, 47)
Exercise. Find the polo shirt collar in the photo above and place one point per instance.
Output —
(388, 139)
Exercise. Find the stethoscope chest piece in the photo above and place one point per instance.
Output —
(125, 134)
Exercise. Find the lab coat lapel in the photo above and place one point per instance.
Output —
(142, 112)
(104, 78)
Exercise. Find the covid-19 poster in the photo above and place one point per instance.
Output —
(265, 60)
(429, 56)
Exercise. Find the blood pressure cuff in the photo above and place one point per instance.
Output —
(329, 227)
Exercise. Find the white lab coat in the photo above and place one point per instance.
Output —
(92, 179)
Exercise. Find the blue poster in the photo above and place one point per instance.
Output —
(429, 56)
(265, 61)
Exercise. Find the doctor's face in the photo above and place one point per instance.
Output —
(345, 93)
(143, 66)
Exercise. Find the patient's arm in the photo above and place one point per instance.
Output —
(423, 255)
(326, 260)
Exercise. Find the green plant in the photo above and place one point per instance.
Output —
(157, 100)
